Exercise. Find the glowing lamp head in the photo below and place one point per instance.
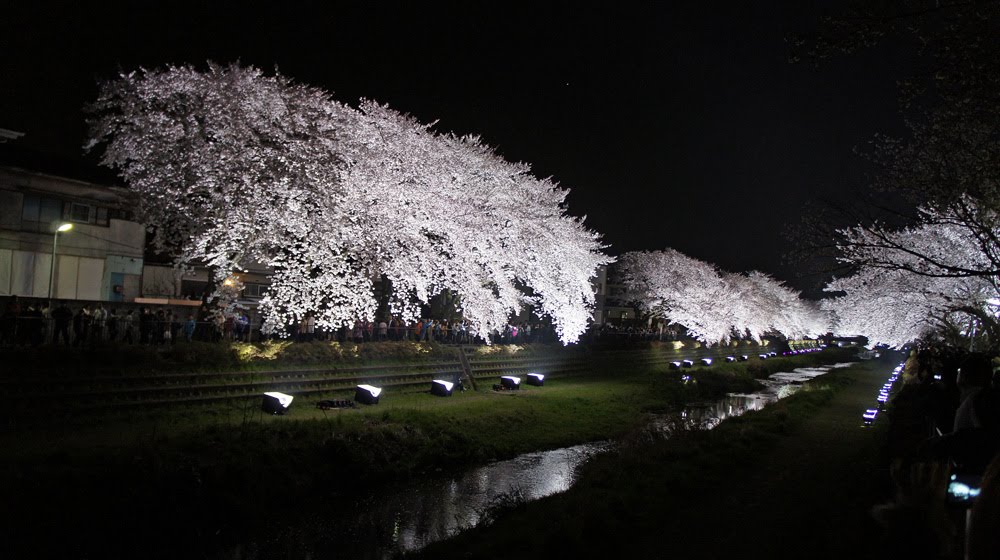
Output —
(64, 227)
(367, 394)
(510, 382)
(276, 403)
(706, 361)
(442, 388)
(535, 379)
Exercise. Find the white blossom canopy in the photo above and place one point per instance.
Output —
(713, 306)
(236, 167)
(913, 281)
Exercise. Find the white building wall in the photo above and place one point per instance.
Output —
(67, 267)
(90, 278)
(6, 257)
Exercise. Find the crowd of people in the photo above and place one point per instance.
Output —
(945, 437)
(34, 322)
(658, 332)
(454, 331)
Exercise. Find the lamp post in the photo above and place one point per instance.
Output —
(52, 265)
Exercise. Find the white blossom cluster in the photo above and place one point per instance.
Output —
(913, 281)
(714, 306)
(235, 167)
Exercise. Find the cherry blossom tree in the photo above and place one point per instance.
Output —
(233, 167)
(896, 307)
(714, 306)
(938, 275)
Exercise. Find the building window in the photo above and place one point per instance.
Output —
(39, 213)
(254, 290)
(81, 213)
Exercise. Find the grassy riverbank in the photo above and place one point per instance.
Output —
(794, 480)
(184, 479)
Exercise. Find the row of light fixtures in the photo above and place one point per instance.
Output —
(883, 396)
(278, 403)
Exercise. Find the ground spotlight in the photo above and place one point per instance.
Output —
(510, 382)
(763, 356)
(675, 365)
(706, 361)
(366, 394)
(276, 403)
(441, 387)
(536, 379)
(730, 359)
(688, 363)
(744, 358)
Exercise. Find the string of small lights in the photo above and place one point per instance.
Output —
(883, 397)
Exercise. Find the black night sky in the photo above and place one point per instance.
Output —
(675, 124)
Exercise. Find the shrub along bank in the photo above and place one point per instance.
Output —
(205, 480)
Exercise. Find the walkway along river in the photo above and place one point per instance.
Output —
(400, 519)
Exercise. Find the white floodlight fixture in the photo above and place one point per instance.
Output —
(510, 382)
(276, 403)
(763, 356)
(706, 361)
(535, 379)
(367, 394)
(688, 363)
(730, 359)
(744, 357)
(773, 354)
(675, 365)
(442, 388)
(870, 414)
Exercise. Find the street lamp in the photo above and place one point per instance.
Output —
(52, 265)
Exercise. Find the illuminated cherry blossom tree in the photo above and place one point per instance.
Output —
(940, 275)
(714, 306)
(234, 167)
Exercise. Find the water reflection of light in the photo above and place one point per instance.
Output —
(433, 511)
(705, 416)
